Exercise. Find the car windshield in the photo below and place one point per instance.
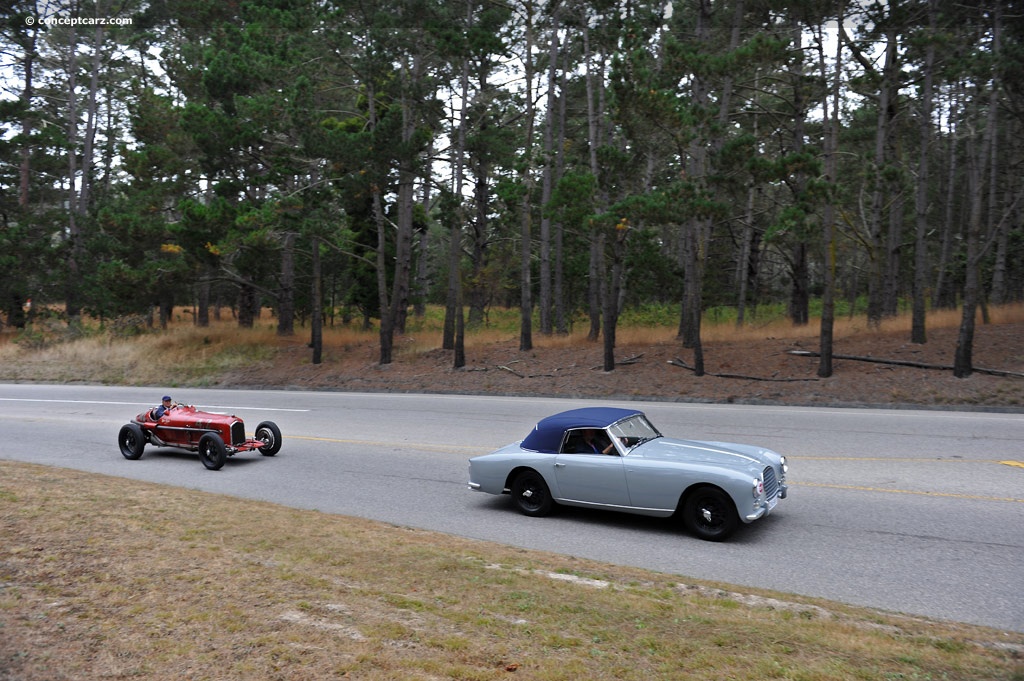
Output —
(633, 431)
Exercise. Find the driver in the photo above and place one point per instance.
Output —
(597, 443)
(166, 404)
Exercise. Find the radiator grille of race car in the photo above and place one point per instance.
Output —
(237, 433)
(771, 484)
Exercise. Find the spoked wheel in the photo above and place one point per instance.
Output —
(131, 440)
(531, 495)
(270, 434)
(212, 451)
(710, 514)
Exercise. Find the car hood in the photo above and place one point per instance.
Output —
(740, 457)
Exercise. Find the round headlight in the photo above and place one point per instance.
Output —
(785, 466)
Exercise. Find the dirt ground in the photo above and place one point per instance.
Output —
(751, 372)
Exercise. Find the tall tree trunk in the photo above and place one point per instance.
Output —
(454, 321)
(696, 231)
(963, 362)
(247, 298)
(594, 278)
(611, 301)
(742, 278)
(91, 116)
(831, 128)
(918, 332)
(477, 288)
(27, 124)
(594, 268)
(746, 241)
(72, 300)
(387, 317)
(526, 178)
(316, 335)
(403, 247)
(422, 247)
(944, 295)
(547, 182)
(286, 297)
(1002, 230)
(561, 325)
(203, 286)
(406, 203)
(800, 286)
(876, 242)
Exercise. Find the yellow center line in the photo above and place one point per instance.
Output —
(1018, 464)
(951, 495)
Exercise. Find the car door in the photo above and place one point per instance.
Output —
(592, 479)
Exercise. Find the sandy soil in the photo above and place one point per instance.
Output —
(752, 372)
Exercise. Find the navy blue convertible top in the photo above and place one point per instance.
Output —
(546, 437)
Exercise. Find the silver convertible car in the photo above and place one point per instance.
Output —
(615, 459)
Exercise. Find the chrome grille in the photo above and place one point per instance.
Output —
(237, 433)
(771, 484)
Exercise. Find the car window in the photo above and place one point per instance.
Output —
(574, 441)
(633, 431)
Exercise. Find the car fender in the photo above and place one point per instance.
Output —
(493, 473)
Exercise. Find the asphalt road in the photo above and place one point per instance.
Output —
(919, 512)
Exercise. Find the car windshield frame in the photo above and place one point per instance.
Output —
(633, 431)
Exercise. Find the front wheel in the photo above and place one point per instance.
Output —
(268, 433)
(212, 451)
(131, 440)
(531, 495)
(710, 514)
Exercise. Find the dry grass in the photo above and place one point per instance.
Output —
(123, 579)
(185, 354)
(224, 355)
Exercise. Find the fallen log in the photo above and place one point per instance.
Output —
(622, 362)
(680, 363)
(906, 363)
(511, 371)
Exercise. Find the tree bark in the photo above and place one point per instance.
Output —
(944, 295)
(526, 179)
(831, 126)
(963, 363)
(316, 336)
(594, 268)
(918, 332)
(286, 295)
(551, 115)
(878, 256)
(27, 92)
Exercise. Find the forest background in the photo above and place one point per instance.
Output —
(351, 163)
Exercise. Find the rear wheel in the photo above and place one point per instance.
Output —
(270, 435)
(710, 514)
(212, 451)
(531, 495)
(131, 440)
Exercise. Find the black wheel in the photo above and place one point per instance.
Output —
(270, 434)
(212, 451)
(131, 440)
(531, 495)
(710, 514)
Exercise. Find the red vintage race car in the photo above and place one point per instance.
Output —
(214, 436)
